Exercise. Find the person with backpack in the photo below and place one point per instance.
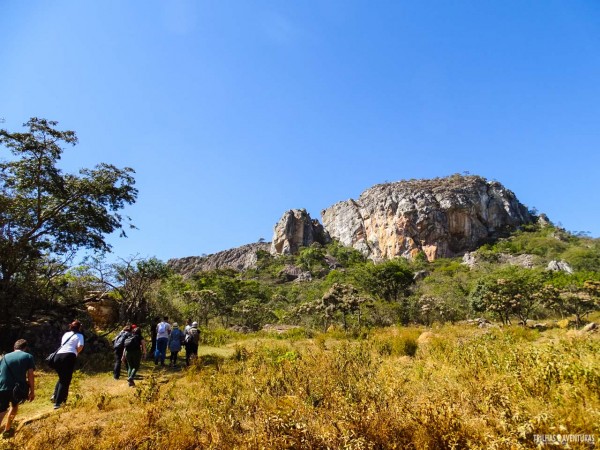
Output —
(119, 347)
(135, 348)
(175, 341)
(15, 368)
(163, 329)
(192, 340)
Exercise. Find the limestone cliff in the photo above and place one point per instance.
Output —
(238, 258)
(297, 229)
(443, 217)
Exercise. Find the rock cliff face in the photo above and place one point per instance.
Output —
(238, 258)
(296, 229)
(443, 217)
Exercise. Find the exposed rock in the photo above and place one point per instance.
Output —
(444, 217)
(304, 276)
(420, 275)
(559, 266)
(296, 229)
(526, 261)
(472, 259)
(279, 329)
(238, 258)
(543, 221)
(290, 273)
(103, 310)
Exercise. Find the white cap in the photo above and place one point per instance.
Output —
(194, 324)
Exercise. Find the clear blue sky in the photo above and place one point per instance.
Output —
(232, 112)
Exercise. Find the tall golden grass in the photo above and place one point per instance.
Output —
(394, 388)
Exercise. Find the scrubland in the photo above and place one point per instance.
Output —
(392, 388)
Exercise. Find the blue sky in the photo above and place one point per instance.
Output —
(232, 112)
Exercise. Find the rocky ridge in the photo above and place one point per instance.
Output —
(441, 217)
(238, 258)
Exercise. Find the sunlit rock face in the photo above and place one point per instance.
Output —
(294, 230)
(442, 217)
(239, 258)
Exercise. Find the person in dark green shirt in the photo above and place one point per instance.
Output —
(17, 366)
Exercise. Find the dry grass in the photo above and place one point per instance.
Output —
(459, 388)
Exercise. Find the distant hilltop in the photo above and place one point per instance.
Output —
(440, 217)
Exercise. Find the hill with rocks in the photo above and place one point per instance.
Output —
(440, 217)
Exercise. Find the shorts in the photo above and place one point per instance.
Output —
(5, 399)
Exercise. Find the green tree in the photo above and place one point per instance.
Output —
(204, 304)
(311, 258)
(390, 281)
(510, 291)
(341, 299)
(45, 212)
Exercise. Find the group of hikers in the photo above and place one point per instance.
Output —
(130, 347)
(17, 380)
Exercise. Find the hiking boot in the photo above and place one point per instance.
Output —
(131, 382)
(7, 434)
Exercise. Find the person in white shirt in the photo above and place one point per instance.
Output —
(71, 346)
(163, 330)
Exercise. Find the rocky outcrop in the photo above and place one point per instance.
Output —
(443, 217)
(475, 259)
(296, 229)
(559, 266)
(238, 258)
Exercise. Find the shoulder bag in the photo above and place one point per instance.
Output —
(50, 359)
(20, 392)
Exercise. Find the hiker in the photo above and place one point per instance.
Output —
(64, 363)
(175, 341)
(163, 329)
(135, 349)
(153, 326)
(188, 325)
(16, 367)
(192, 339)
(119, 347)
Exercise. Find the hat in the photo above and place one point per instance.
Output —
(133, 325)
(194, 324)
(175, 325)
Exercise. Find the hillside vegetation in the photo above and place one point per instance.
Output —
(538, 273)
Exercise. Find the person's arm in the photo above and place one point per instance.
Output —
(80, 346)
(31, 382)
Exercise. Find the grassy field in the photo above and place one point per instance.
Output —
(404, 388)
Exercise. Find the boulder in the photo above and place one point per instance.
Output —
(297, 229)
(559, 266)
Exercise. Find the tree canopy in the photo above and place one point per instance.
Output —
(46, 213)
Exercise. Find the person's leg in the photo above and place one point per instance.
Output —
(174, 357)
(133, 361)
(12, 412)
(4, 400)
(161, 344)
(117, 367)
(65, 367)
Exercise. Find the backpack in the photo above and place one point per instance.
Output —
(192, 336)
(162, 327)
(119, 341)
(132, 342)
